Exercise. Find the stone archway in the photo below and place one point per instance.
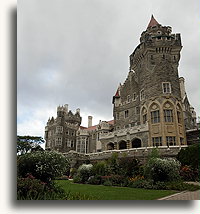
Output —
(110, 146)
(122, 145)
(136, 143)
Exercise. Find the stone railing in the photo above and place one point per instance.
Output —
(139, 153)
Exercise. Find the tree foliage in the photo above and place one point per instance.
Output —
(29, 144)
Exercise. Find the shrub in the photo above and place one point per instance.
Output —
(30, 188)
(180, 186)
(107, 183)
(162, 169)
(77, 179)
(115, 180)
(190, 156)
(128, 167)
(42, 165)
(113, 164)
(100, 168)
(189, 174)
(146, 184)
(95, 179)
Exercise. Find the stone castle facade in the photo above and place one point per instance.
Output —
(150, 109)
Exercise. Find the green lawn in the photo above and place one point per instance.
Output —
(99, 192)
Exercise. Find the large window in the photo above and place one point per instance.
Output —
(157, 141)
(166, 87)
(59, 129)
(155, 116)
(171, 140)
(168, 115)
(58, 141)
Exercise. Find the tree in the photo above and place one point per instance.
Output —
(29, 144)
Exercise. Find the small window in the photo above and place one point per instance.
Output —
(168, 115)
(155, 116)
(181, 141)
(179, 116)
(166, 87)
(126, 114)
(171, 141)
(142, 96)
(117, 116)
(128, 98)
(157, 141)
(134, 96)
(137, 110)
(151, 57)
(144, 118)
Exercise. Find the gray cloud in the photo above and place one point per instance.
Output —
(77, 52)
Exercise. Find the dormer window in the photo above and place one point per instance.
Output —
(166, 86)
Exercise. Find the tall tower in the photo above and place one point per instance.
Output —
(151, 93)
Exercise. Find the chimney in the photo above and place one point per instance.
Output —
(78, 110)
(66, 107)
(89, 121)
(182, 87)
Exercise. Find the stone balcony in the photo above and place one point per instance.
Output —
(123, 132)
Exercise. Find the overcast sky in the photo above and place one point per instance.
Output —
(76, 52)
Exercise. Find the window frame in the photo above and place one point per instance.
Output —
(167, 89)
(168, 118)
(156, 117)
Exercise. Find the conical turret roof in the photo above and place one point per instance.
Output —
(152, 22)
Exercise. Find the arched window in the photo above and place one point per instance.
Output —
(155, 113)
(122, 145)
(110, 146)
(136, 143)
(168, 112)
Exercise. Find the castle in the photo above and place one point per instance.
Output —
(150, 109)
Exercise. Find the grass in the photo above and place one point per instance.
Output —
(100, 192)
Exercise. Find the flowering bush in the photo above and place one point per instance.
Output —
(83, 173)
(136, 178)
(43, 165)
(159, 169)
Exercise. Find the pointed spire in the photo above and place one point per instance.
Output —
(152, 22)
